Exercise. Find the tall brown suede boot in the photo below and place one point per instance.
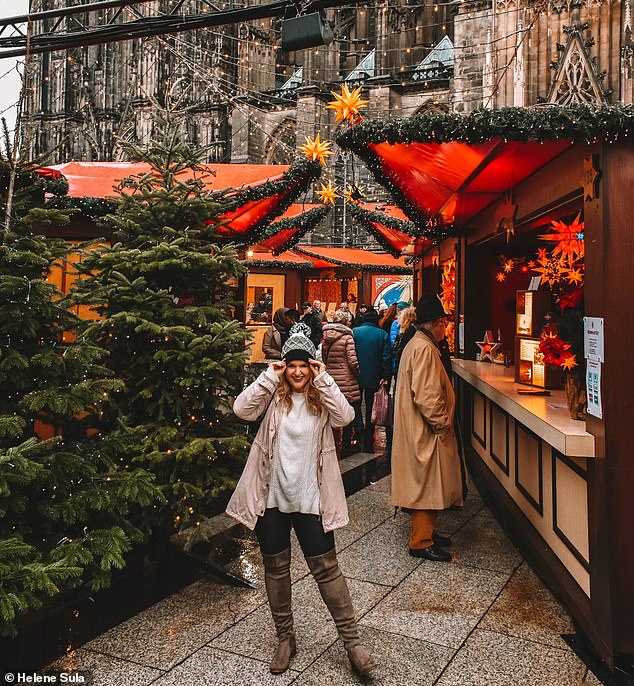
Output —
(277, 579)
(334, 590)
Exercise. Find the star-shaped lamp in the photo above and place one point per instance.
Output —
(354, 193)
(316, 150)
(328, 193)
(488, 347)
(346, 105)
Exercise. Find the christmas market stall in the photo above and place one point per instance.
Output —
(537, 276)
(253, 195)
(331, 275)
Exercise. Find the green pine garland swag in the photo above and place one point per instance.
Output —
(383, 269)
(303, 223)
(368, 219)
(580, 123)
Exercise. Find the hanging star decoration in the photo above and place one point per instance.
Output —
(316, 150)
(354, 193)
(347, 104)
(553, 271)
(488, 347)
(448, 285)
(574, 276)
(569, 239)
(500, 276)
(328, 193)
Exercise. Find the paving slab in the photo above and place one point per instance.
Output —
(169, 631)
(369, 508)
(106, 670)
(527, 609)
(254, 636)
(210, 667)
(381, 556)
(482, 543)
(438, 602)
(402, 661)
(492, 659)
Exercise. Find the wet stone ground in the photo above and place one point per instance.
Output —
(486, 618)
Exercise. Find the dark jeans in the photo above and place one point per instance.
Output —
(368, 432)
(273, 530)
(356, 424)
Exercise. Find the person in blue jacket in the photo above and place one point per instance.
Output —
(374, 354)
(395, 328)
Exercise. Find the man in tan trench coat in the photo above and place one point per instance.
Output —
(426, 471)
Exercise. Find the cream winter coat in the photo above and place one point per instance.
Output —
(248, 501)
(426, 472)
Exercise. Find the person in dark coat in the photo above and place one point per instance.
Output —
(358, 317)
(313, 321)
(339, 355)
(375, 366)
(276, 335)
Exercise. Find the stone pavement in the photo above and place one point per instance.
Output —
(484, 619)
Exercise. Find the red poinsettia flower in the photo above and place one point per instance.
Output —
(554, 349)
(571, 299)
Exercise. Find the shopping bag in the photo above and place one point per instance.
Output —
(382, 409)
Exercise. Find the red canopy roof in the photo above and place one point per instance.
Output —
(99, 179)
(392, 239)
(458, 180)
(287, 231)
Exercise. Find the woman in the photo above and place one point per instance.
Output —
(275, 335)
(339, 355)
(388, 317)
(292, 478)
(407, 329)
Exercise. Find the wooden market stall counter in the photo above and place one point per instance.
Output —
(534, 458)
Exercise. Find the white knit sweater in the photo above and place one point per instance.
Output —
(294, 486)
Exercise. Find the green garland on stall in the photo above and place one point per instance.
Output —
(303, 222)
(539, 123)
(294, 182)
(276, 264)
(381, 268)
(93, 208)
(577, 123)
(368, 218)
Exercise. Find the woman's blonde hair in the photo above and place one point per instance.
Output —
(313, 397)
(405, 318)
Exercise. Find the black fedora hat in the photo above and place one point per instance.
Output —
(429, 308)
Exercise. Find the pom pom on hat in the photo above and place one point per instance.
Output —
(298, 345)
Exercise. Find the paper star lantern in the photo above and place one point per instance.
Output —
(500, 276)
(488, 347)
(316, 150)
(346, 105)
(569, 362)
(354, 193)
(569, 246)
(575, 276)
(328, 193)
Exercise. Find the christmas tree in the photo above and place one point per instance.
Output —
(64, 499)
(165, 290)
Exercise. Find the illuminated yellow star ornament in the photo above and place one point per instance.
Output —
(346, 105)
(328, 193)
(316, 150)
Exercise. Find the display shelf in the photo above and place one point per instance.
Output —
(546, 416)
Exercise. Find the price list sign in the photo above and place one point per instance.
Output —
(593, 350)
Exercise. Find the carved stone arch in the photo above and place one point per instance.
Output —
(432, 106)
(576, 81)
(281, 145)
